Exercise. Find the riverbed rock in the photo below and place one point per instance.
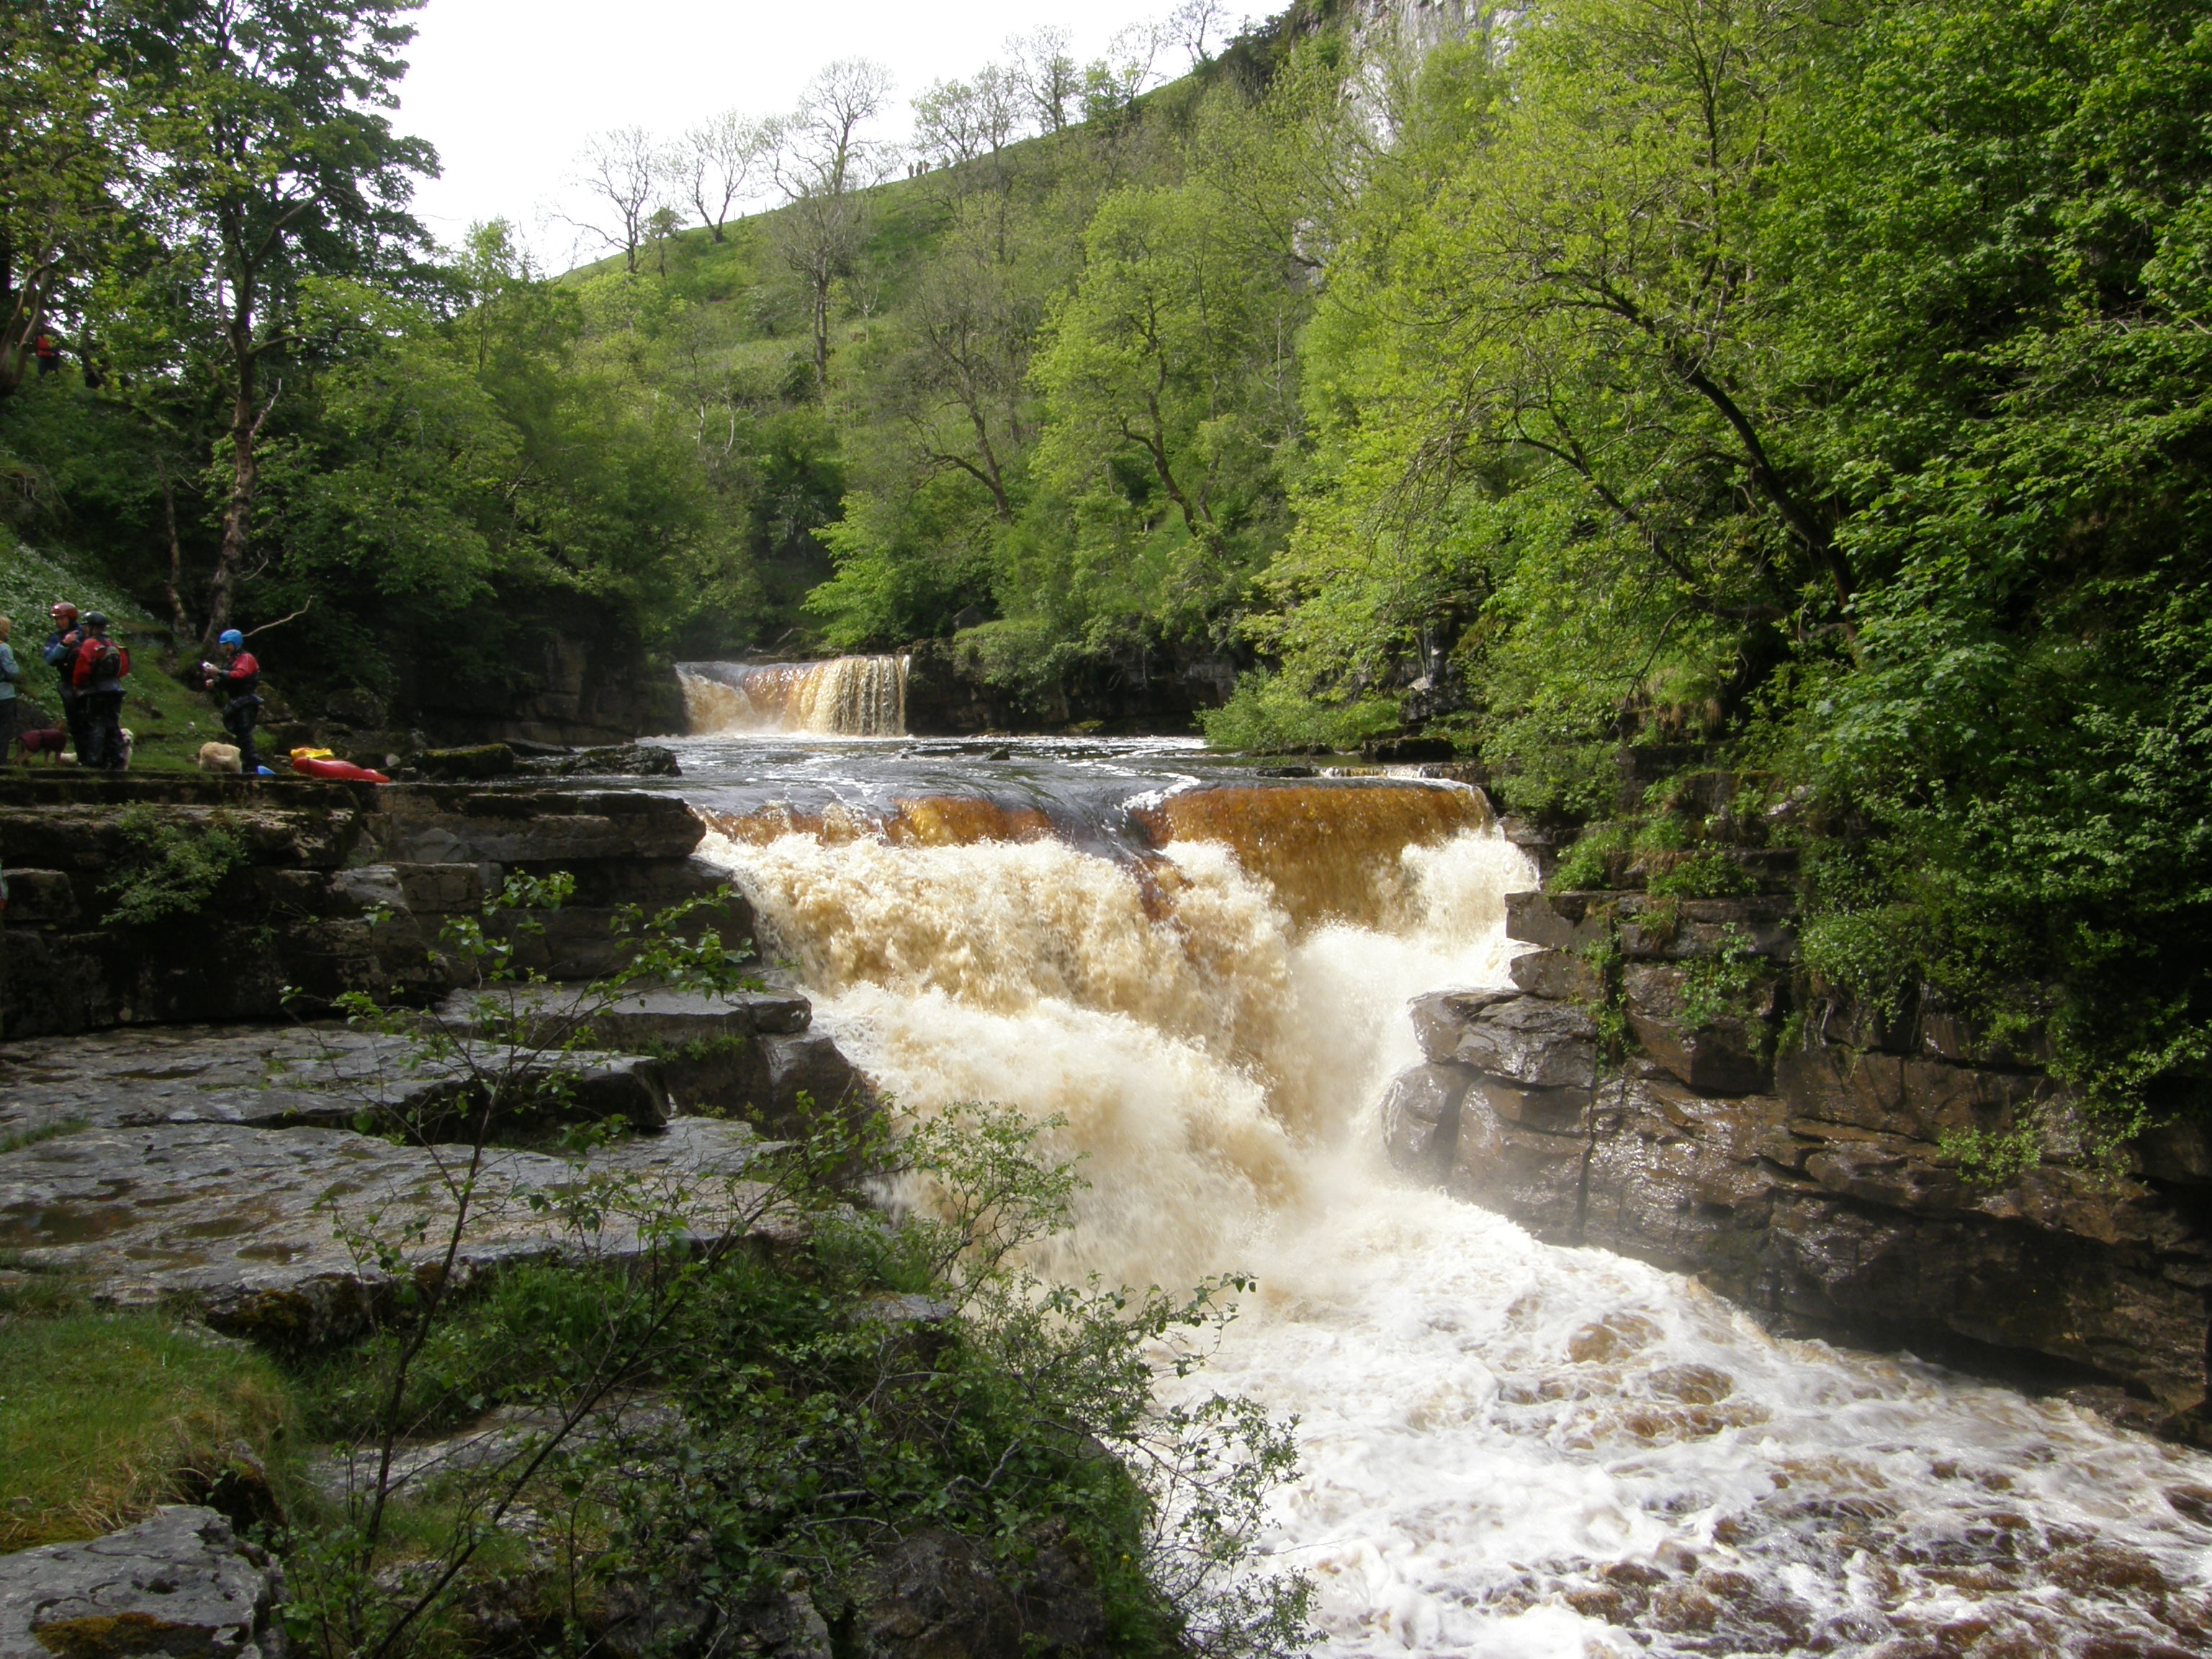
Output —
(1420, 1117)
(177, 1584)
(249, 1226)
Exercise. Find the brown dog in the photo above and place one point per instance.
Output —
(49, 743)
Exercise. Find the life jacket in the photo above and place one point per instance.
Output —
(98, 660)
(60, 652)
(242, 679)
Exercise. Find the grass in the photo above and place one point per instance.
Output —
(14, 1140)
(104, 1416)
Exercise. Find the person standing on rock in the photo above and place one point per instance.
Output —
(10, 676)
(101, 665)
(59, 654)
(237, 680)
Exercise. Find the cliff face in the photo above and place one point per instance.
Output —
(1807, 1178)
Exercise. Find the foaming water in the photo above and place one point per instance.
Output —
(1511, 1448)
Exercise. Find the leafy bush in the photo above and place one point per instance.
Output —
(173, 869)
(1268, 713)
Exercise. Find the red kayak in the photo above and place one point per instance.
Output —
(336, 768)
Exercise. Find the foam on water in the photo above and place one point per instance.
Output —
(1510, 1448)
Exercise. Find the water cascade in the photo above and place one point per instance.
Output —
(845, 696)
(1512, 1449)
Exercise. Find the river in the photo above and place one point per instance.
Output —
(1510, 1448)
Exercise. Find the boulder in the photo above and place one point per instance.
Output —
(1718, 1057)
(1531, 1174)
(484, 760)
(1519, 1039)
(177, 1584)
(1556, 975)
(1845, 1263)
(1420, 1117)
(937, 1595)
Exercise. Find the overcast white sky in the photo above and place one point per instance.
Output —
(507, 89)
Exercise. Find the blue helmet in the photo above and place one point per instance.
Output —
(230, 637)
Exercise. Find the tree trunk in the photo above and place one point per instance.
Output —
(179, 630)
(821, 335)
(238, 512)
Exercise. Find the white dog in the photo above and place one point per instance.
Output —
(219, 757)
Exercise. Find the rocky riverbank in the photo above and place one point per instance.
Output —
(1803, 1159)
(181, 1148)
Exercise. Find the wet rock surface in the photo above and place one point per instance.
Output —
(178, 1584)
(1807, 1180)
(305, 1076)
(256, 1228)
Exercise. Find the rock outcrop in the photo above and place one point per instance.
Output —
(335, 887)
(1807, 1178)
(178, 1584)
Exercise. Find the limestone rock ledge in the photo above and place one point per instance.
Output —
(177, 1584)
(344, 887)
(1808, 1184)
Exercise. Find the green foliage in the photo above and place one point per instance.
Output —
(1993, 1157)
(1721, 985)
(172, 869)
(1268, 713)
(1587, 866)
(1708, 873)
(1874, 957)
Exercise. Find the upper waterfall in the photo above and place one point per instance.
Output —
(845, 696)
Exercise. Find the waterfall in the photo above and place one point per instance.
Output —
(1510, 1448)
(845, 696)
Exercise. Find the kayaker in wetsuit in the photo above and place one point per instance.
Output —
(59, 654)
(97, 673)
(237, 680)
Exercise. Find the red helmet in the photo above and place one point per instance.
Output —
(63, 611)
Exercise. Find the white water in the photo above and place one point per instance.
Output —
(1510, 1448)
(844, 696)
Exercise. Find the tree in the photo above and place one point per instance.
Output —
(58, 169)
(1047, 75)
(822, 166)
(267, 165)
(959, 122)
(627, 174)
(717, 158)
(1195, 23)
